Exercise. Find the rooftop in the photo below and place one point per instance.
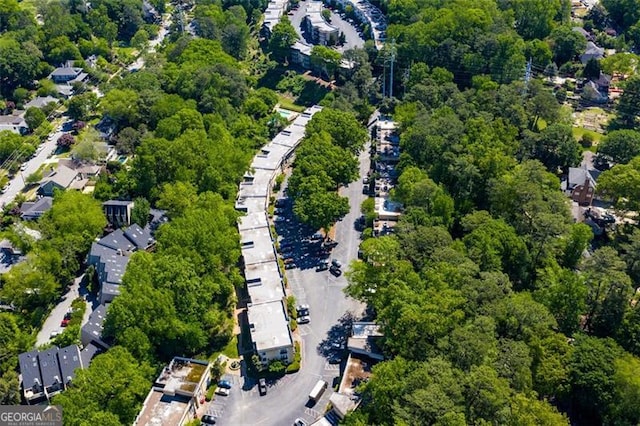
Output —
(40, 101)
(269, 326)
(94, 326)
(251, 204)
(182, 376)
(253, 221)
(141, 237)
(116, 240)
(256, 184)
(88, 353)
(30, 370)
(364, 338)
(270, 156)
(160, 409)
(264, 282)
(257, 246)
(69, 361)
(49, 367)
(62, 176)
(37, 207)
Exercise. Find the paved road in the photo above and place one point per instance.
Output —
(56, 315)
(330, 311)
(17, 184)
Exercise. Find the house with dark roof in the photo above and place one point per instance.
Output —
(45, 374)
(67, 75)
(61, 179)
(50, 370)
(32, 210)
(91, 332)
(32, 388)
(89, 352)
(118, 212)
(140, 237)
(70, 361)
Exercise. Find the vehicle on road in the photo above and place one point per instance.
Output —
(322, 266)
(302, 310)
(335, 271)
(262, 386)
(23, 167)
(208, 419)
(222, 391)
(299, 422)
(64, 323)
(336, 263)
(224, 384)
(304, 319)
(317, 390)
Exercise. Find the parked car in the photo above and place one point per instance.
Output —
(23, 167)
(303, 320)
(222, 391)
(262, 386)
(329, 244)
(322, 266)
(335, 271)
(64, 323)
(299, 422)
(290, 266)
(208, 419)
(67, 316)
(302, 310)
(55, 333)
(281, 202)
(224, 384)
(336, 263)
(281, 219)
(315, 237)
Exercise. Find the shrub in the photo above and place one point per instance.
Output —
(209, 395)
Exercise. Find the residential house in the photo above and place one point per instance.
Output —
(45, 374)
(14, 123)
(41, 102)
(33, 210)
(592, 52)
(32, 388)
(301, 54)
(118, 212)
(91, 333)
(270, 333)
(62, 178)
(176, 394)
(586, 34)
(580, 184)
(67, 75)
(365, 340)
(50, 370)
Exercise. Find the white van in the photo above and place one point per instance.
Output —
(317, 390)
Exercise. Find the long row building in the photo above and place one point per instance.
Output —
(267, 317)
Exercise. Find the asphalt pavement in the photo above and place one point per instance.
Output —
(331, 313)
(17, 184)
(52, 323)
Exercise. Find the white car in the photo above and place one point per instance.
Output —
(304, 320)
(55, 333)
(222, 391)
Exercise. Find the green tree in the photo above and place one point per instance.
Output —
(592, 69)
(577, 242)
(620, 146)
(34, 117)
(282, 38)
(566, 44)
(140, 212)
(627, 109)
(89, 146)
(564, 293)
(321, 209)
(621, 184)
(82, 106)
(554, 146)
(326, 60)
(112, 388)
(343, 127)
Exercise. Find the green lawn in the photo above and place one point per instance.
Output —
(578, 132)
(287, 103)
(231, 350)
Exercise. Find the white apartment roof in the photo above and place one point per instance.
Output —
(264, 282)
(385, 207)
(253, 221)
(256, 246)
(256, 184)
(252, 204)
(270, 156)
(269, 326)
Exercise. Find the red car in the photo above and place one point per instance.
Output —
(64, 323)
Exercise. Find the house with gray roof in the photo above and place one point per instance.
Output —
(32, 388)
(50, 370)
(89, 352)
(14, 123)
(61, 179)
(32, 210)
(67, 75)
(140, 237)
(41, 102)
(91, 332)
(70, 361)
(592, 52)
(118, 212)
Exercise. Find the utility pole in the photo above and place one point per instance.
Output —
(527, 77)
